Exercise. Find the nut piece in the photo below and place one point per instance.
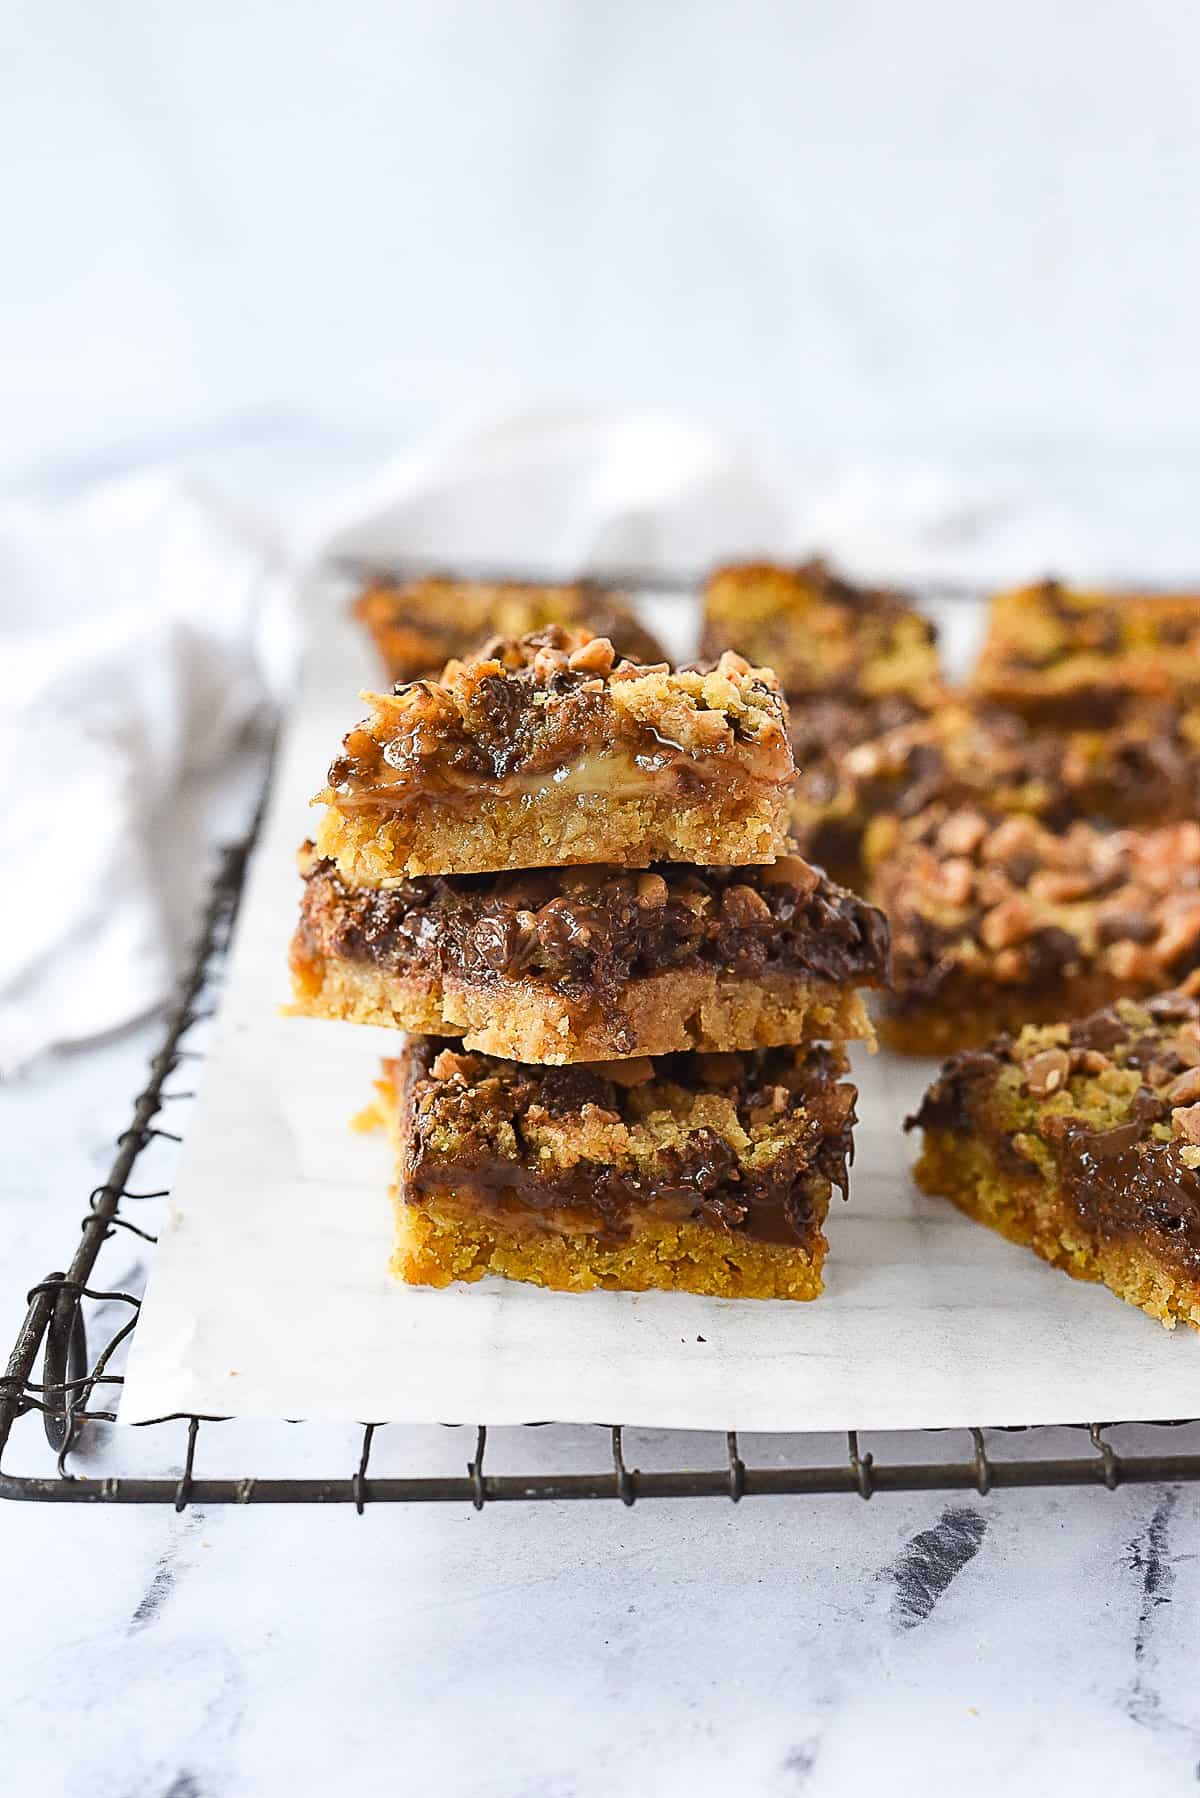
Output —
(1186, 1123)
(962, 833)
(745, 908)
(1046, 1072)
(1013, 836)
(955, 881)
(732, 663)
(634, 1072)
(1008, 923)
(1060, 887)
(595, 657)
(449, 1065)
(1009, 967)
(651, 890)
(549, 662)
(1185, 1090)
(791, 871)
(1130, 961)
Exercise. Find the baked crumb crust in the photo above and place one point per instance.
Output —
(658, 1014)
(440, 1243)
(1082, 1142)
(547, 751)
(822, 634)
(419, 625)
(702, 1173)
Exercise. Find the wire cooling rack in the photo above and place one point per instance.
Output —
(69, 1312)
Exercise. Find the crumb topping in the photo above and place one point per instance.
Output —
(867, 763)
(537, 704)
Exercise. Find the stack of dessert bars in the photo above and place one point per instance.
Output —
(565, 873)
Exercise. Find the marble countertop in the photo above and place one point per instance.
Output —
(562, 1651)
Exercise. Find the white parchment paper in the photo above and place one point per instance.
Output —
(270, 1296)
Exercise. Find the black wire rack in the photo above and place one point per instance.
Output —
(66, 1310)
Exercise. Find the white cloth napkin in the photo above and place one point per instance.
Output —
(141, 630)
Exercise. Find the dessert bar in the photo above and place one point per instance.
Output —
(418, 625)
(698, 1173)
(1062, 657)
(887, 759)
(548, 751)
(997, 922)
(821, 634)
(592, 963)
(1082, 1141)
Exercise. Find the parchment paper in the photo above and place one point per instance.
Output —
(269, 1294)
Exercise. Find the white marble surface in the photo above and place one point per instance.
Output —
(1026, 1641)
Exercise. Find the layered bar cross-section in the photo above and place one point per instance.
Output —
(548, 751)
(1082, 1142)
(592, 963)
(697, 1173)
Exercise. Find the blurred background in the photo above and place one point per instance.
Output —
(541, 286)
(277, 240)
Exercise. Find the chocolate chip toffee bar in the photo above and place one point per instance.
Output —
(696, 1173)
(548, 751)
(1082, 1142)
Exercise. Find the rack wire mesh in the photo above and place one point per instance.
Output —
(66, 1308)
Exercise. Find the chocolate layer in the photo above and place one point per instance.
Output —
(591, 930)
(1116, 1103)
(467, 1120)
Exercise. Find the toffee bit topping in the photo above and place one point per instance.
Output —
(1030, 904)
(595, 657)
(1046, 1073)
(1186, 1124)
(540, 703)
(1185, 1089)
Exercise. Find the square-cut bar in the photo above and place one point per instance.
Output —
(888, 760)
(999, 922)
(419, 625)
(593, 963)
(1062, 656)
(546, 752)
(1082, 1141)
(695, 1173)
(823, 635)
